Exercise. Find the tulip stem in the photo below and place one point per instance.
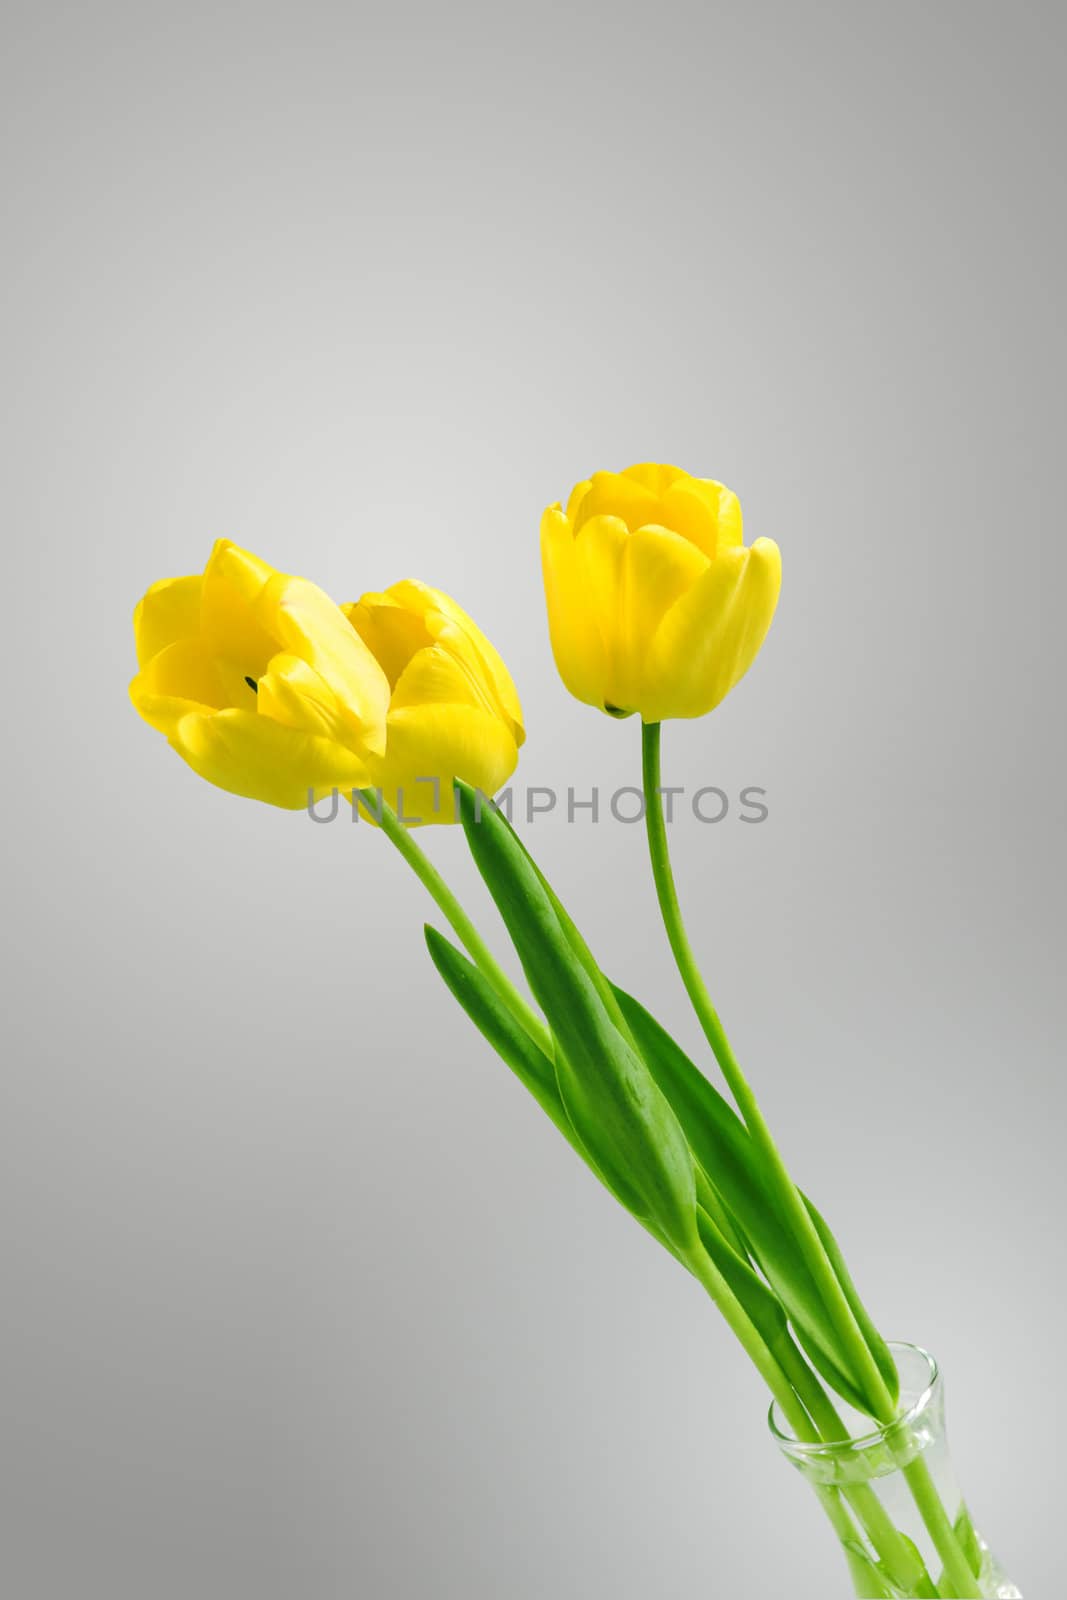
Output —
(795, 1210)
(468, 935)
(776, 1372)
(783, 1188)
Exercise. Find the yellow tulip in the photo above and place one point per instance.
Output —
(270, 690)
(453, 709)
(655, 605)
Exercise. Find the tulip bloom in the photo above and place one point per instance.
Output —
(655, 605)
(266, 688)
(453, 709)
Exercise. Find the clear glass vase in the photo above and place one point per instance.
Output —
(893, 1500)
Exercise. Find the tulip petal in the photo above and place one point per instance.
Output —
(392, 632)
(577, 642)
(292, 693)
(470, 642)
(710, 637)
(307, 623)
(575, 498)
(183, 677)
(243, 572)
(706, 512)
(256, 757)
(233, 584)
(442, 742)
(598, 558)
(612, 495)
(433, 676)
(170, 610)
(655, 476)
(658, 567)
(726, 506)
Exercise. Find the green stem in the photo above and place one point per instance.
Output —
(901, 1561)
(769, 1367)
(463, 927)
(819, 1264)
(795, 1210)
(780, 1383)
(939, 1527)
(700, 1264)
(707, 1273)
(702, 1267)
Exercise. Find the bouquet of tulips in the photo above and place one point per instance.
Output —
(656, 609)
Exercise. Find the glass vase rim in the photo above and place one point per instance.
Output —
(803, 1449)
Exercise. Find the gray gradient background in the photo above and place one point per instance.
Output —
(301, 1297)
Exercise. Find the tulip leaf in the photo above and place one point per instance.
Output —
(759, 1303)
(581, 950)
(533, 1069)
(613, 1102)
(707, 1196)
(874, 1341)
(721, 1144)
(496, 1024)
(529, 1064)
(721, 1154)
(709, 1199)
(971, 1545)
(868, 1579)
(631, 1135)
(921, 1583)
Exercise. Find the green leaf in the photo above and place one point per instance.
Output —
(868, 1580)
(580, 949)
(875, 1343)
(967, 1534)
(529, 1064)
(707, 1196)
(720, 1143)
(612, 1101)
(710, 1201)
(533, 1069)
(760, 1304)
(923, 1588)
(746, 1218)
(497, 1025)
(692, 1078)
